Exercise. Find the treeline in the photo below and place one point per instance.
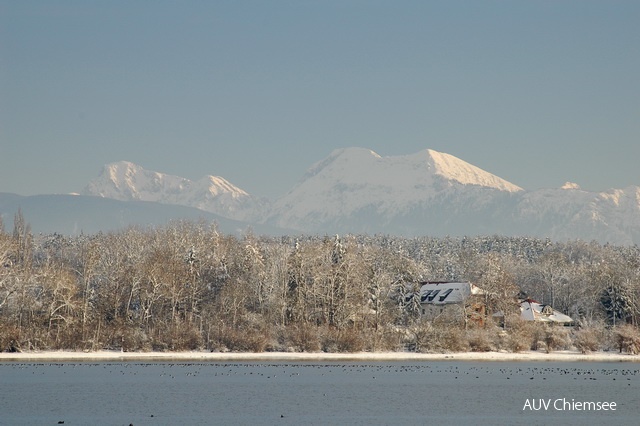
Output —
(186, 286)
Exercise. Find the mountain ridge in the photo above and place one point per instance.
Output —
(355, 190)
(126, 181)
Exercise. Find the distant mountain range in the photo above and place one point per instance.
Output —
(75, 214)
(353, 190)
(126, 181)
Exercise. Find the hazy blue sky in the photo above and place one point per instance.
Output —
(536, 92)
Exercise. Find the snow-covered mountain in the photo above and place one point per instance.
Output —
(127, 181)
(570, 212)
(432, 193)
(357, 185)
(355, 190)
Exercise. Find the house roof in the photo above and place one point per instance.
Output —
(445, 292)
(534, 311)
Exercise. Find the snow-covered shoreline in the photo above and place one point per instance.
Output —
(98, 356)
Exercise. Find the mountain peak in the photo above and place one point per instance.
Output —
(126, 181)
(123, 176)
(136, 181)
(412, 169)
(358, 179)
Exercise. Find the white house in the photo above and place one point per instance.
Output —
(531, 310)
(457, 298)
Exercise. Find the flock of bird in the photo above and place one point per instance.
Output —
(274, 370)
(437, 373)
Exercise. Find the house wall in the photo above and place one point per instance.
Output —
(472, 311)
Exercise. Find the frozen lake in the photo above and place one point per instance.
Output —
(438, 392)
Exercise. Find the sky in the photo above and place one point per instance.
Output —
(536, 92)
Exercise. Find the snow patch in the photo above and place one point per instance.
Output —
(570, 185)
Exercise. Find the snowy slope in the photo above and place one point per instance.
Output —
(128, 181)
(455, 170)
(617, 212)
(356, 179)
(570, 212)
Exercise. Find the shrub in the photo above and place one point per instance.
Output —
(481, 339)
(121, 335)
(345, 340)
(453, 339)
(438, 338)
(240, 340)
(627, 339)
(245, 337)
(556, 338)
(522, 336)
(135, 339)
(185, 336)
(10, 339)
(587, 340)
(528, 335)
(302, 338)
(383, 339)
(419, 335)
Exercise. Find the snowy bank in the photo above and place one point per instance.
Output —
(571, 356)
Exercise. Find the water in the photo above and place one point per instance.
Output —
(161, 393)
